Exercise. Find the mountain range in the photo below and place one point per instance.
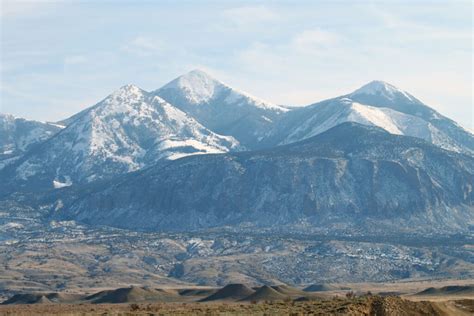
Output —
(128, 130)
(198, 153)
(327, 180)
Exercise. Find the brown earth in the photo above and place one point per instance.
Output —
(375, 305)
(320, 288)
(265, 293)
(288, 290)
(132, 294)
(238, 299)
(461, 290)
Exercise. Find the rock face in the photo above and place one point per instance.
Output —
(18, 135)
(351, 175)
(221, 108)
(378, 104)
(128, 130)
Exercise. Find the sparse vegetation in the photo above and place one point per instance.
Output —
(134, 307)
(359, 306)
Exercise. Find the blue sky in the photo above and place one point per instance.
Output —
(58, 57)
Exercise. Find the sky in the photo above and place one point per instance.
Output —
(58, 57)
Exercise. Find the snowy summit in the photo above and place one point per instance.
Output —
(198, 87)
(382, 88)
(220, 107)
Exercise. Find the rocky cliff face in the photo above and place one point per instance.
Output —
(351, 175)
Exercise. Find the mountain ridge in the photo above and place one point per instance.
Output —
(379, 177)
(376, 103)
(131, 129)
(127, 130)
(221, 108)
(18, 135)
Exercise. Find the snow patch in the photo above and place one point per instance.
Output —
(374, 116)
(12, 225)
(58, 184)
(56, 125)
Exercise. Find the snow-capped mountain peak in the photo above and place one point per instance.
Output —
(221, 108)
(128, 130)
(128, 92)
(382, 88)
(198, 86)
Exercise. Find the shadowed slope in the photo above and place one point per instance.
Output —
(131, 294)
(319, 288)
(266, 293)
(449, 290)
(230, 292)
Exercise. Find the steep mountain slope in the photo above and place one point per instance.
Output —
(221, 108)
(126, 131)
(18, 135)
(382, 94)
(378, 104)
(350, 176)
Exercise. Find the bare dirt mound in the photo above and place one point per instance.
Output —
(64, 297)
(288, 290)
(197, 292)
(230, 292)
(171, 292)
(320, 288)
(448, 290)
(129, 295)
(458, 307)
(396, 306)
(266, 293)
(23, 299)
(358, 306)
(43, 298)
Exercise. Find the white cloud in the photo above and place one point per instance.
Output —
(317, 63)
(249, 15)
(416, 30)
(301, 51)
(144, 46)
(279, 51)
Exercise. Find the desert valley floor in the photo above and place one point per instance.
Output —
(238, 299)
